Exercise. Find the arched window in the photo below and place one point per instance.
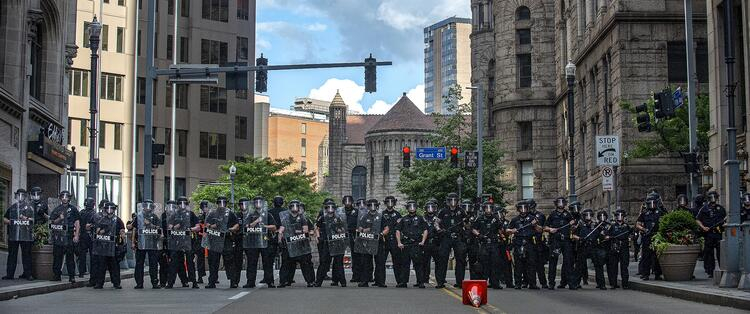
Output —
(359, 182)
(37, 49)
(523, 14)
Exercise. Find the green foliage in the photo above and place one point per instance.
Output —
(267, 178)
(41, 235)
(673, 134)
(675, 228)
(428, 179)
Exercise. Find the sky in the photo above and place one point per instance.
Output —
(332, 31)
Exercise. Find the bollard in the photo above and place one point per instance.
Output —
(745, 278)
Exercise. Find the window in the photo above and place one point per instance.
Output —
(37, 61)
(102, 134)
(184, 49)
(213, 99)
(118, 135)
(139, 187)
(105, 37)
(120, 39)
(676, 62)
(110, 186)
(216, 10)
(170, 7)
(121, 3)
(523, 14)
(240, 127)
(138, 137)
(213, 52)
(303, 146)
(584, 150)
(141, 93)
(359, 182)
(213, 146)
(168, 141)
(185, 8)
(701, 62)
(156, 44)
(79, 82)
(86, 33)
(526, 138)
(243, 9)
(240, 94)
(111, 87)
(170, 46)
(182, 138)
(386, 167)
(523, 36)
(138, 43)
(179, 188)
(84, 135)
(303, 166)
(524, 70)
(242, 48)
(303, 128)
(182, 96)
(527, 179)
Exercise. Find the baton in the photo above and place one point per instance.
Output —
(592, 231)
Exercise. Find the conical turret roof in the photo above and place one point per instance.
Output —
(404, 116)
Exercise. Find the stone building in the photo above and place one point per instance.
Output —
(365, 151)
(623, 50)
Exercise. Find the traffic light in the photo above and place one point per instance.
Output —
(658, 106)
(236, 80)
(691, 162)
(157, 155)
(370, 75)
(454, 157)
(643, 118)
(667, 104)
(261, 76)
(407, 156)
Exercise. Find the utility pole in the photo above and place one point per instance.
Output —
(148, 114)
(172, 146)
(570, 75)
(94, 32)
(692, 100)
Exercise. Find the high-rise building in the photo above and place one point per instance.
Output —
(447, 60)
(213, 124)
(299, 135)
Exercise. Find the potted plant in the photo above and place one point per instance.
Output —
(677, 246)
(41, 254)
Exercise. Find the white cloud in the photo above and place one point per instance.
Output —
(393, 14)
(317, 27)
(350, 91)
(262, 45)
(379, 107)
(416, 95)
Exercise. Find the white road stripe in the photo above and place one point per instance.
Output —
(239, 295)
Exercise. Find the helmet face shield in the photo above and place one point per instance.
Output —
(713, 197)
(222, 202)
(348, 201)
(390, 202)
(746, 199)
(588, 215)
(330, 208)
(295, 207)
(488, 208)
(601, 217)
(258, 203)
(620, 216)
(411, 207)
(682, 201)
(20, 196)
(523, 209)
(372, 206)
(560, 203)
(452, 202)
(65, 197)
(431, 208)
(36, 195)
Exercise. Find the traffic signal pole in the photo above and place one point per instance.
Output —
(692, 101)
(148, 114)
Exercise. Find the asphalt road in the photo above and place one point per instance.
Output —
(327, 299)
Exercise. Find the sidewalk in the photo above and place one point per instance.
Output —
(700, 289)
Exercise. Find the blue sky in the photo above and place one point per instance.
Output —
(322, 31)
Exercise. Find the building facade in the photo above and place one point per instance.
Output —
(364, 151)
(447, 60)
(298, 135)
(38, 44)
(213, 124)
(623, 50)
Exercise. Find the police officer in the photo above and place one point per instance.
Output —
(588, 235)
(198, 249)
(411, 235)
(559, 224)
(151, 221)
(19, 219)
(213, 222)
(683, 203)
(488, 229)
(369, 222)
(505, 245)
(300, 224)
(619, 257)
(522, 227)
(256, 217)
(352, 214)
(745, 207)
(452, 220)
(275, 211)
(472, 246)
(184, 219)
(432, 246)
(711, 221)
(601, 247)
(540, 243)
(238, 252)
(648, 224)
(66, 220)
(88, 215)
(579, 262)
(329, 225)
(106, 220)
(388, 245)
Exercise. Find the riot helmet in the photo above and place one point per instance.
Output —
(103, 203)
(682, 201)
(488, 208)
(452, 200)
(295, 207)
(532, 205)
(588, 214)
(259, 202)
(713, 197)
(35, 193)
(500, 211)
(361, 203)
(221, 201)
(330, 207)
(522, 208)
(278, 201)
(203, 205)
(746, 200)
(244, 204)
(560, 203)
(651, 202)
(183, 202)
(431, 206)
(21, 195)
(602, 216)
(348, 201)
(89, 203)
(575, 207)
(65, 197)
(373, 205)
(110, 209)
(620, 216)
(390, 202)
(467, 206)
(411, 207)
(148, 205)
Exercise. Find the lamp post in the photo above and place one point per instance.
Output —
(232, 173)
(707, 174)
(480, 127)
(95, 29)
(460, 182)
(570, 74)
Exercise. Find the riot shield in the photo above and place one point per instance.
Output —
(105, 238)
(58, 228)
(178, 226)
(297, 241)
(368, 233)
(216, 228)
(21, 227)
(149, 226)
(336, 234)
(254, 229)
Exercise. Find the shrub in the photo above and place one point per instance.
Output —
(675, 228)
(41, 235)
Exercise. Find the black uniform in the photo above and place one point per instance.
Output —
(366, 260)
(540, 249)
(273, 244)
(619, 254)
(178, 259)
(411, 227)
(506, 259)
(266, 256)
(712, 216)
(67, 251)
(214, 258)
(524, 257)
(431, 248)
(238, 252)
(388, 246)
(154, 256)
(593, 246)
(472, 249)
(304, 261)
(84, 241)
(337, 276)
(560, 244)
(452, 222)
(352, 214)
(199, 250)
(649, 262)
(13, 247)
(106, 264)
(488, 243)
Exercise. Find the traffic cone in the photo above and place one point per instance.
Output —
(474, 292)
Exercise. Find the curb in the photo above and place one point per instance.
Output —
(689, 294)
(49, 288)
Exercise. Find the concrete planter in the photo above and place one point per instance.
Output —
(42, 262)
(678, 262)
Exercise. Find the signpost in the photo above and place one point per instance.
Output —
(608, 150)
(470, 159)
(608, 182)
(430, 153)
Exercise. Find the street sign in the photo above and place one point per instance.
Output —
(471, 159)
(608, 182)
(608, 150)
(430, 153)
(678, 100)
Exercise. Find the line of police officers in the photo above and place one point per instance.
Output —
(175, 240)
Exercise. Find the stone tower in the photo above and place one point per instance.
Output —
(336, 140)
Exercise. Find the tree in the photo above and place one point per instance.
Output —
(267, 178)
(428, 179)
(672, 136)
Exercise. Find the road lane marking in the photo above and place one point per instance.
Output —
(239, 295)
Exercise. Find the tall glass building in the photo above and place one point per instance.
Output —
(447, 60)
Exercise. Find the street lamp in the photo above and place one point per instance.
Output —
(707, 175)
(570, 74)
(232, 173)
(742, 157)
(480, 149)
(95, 29)
(460, 182)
